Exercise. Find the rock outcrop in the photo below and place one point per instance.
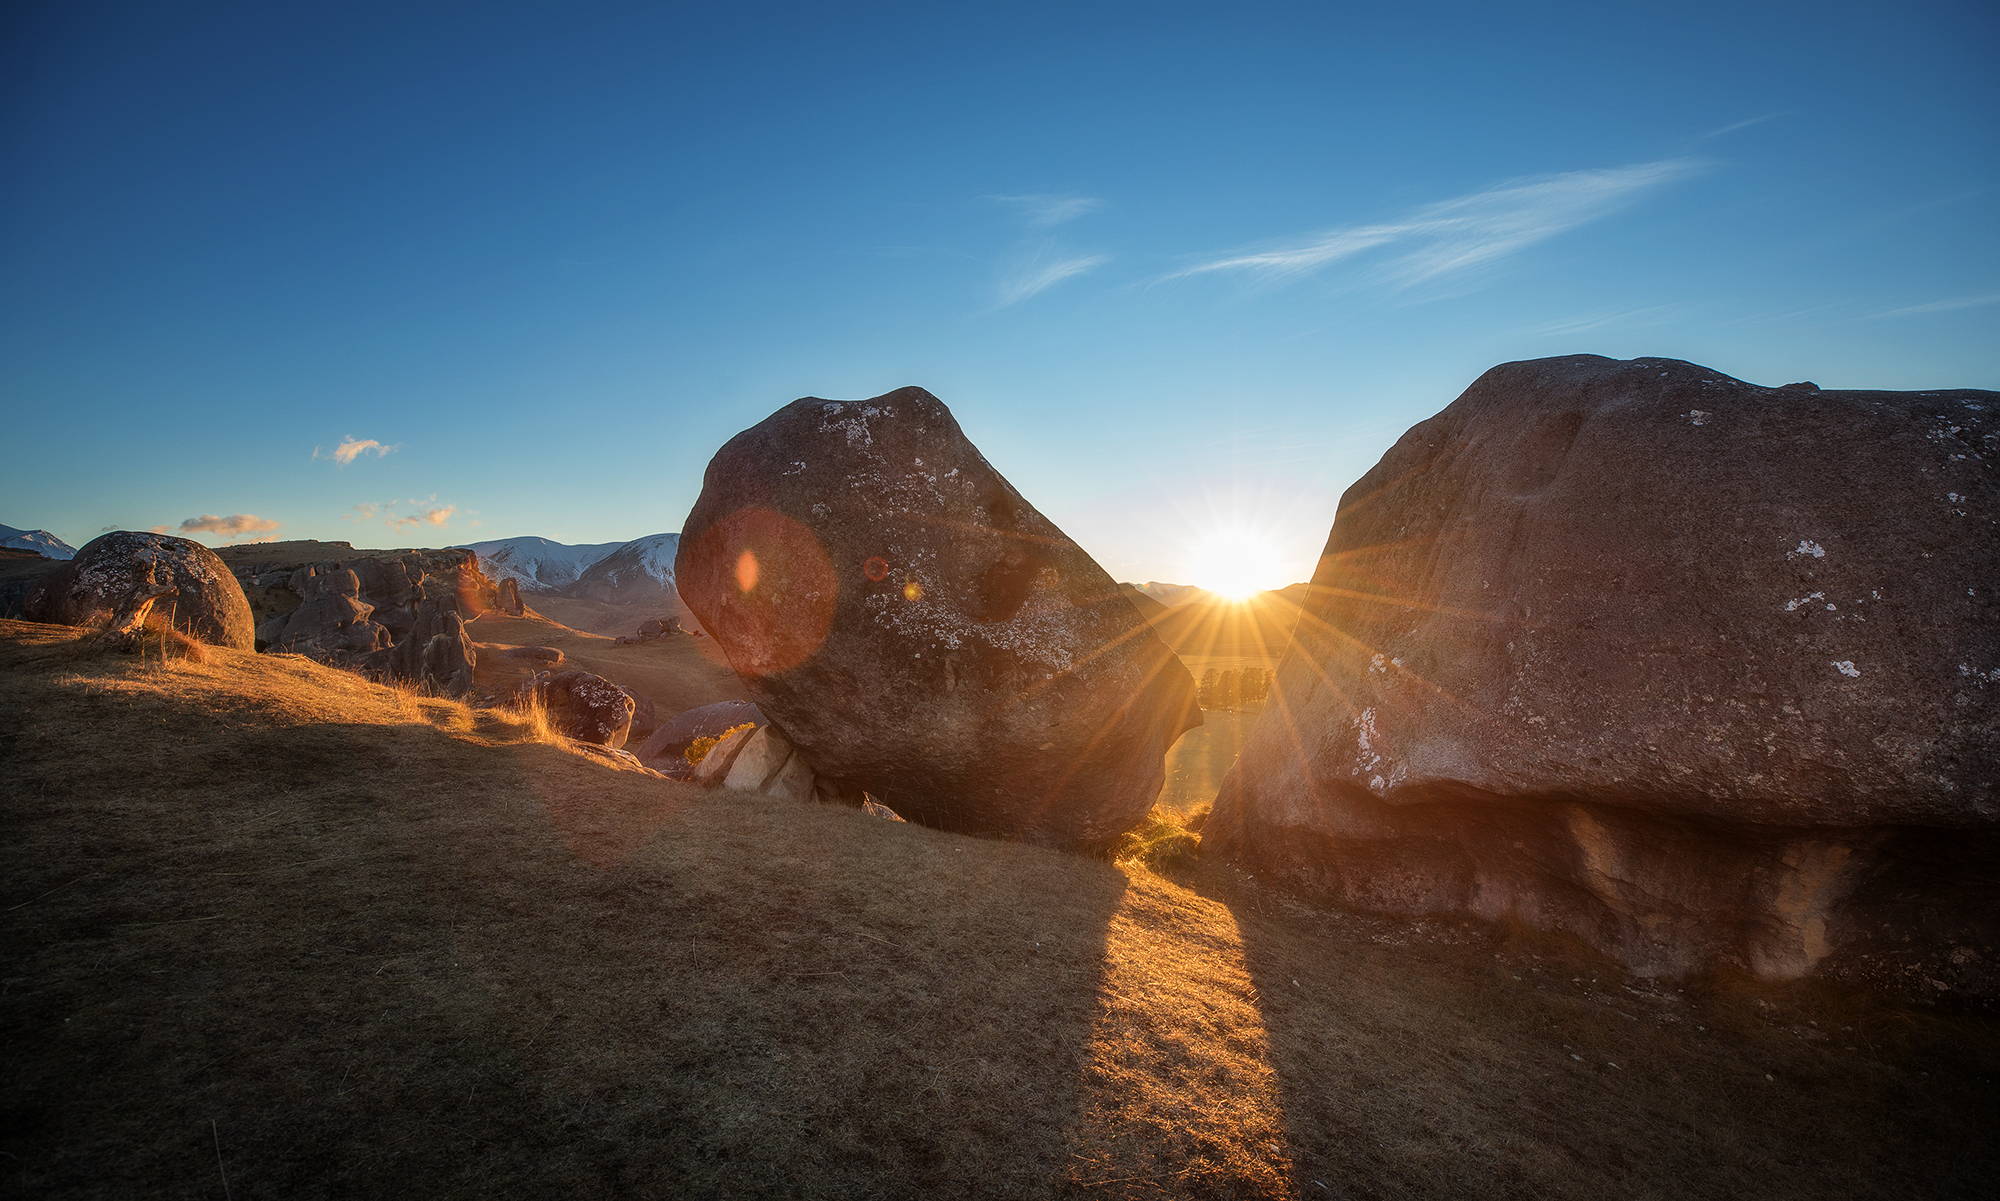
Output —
(510, 597)
(654, 629)
(332, 622)
(393, 614)
(1698, 671)
(207, 605)
(919, 631)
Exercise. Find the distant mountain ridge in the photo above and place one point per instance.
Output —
(1173, 594)
(40, 541)
(639, 572)
(539, 564)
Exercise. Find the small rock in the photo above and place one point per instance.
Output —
(715, 766)
(588, 708)
(759, 761)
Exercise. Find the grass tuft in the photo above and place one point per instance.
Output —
(1164, 842)
(700, 747)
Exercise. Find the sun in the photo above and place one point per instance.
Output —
(1236, 564)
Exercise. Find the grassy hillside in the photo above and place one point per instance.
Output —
(268, 923)
(602, 617)
(676, 673)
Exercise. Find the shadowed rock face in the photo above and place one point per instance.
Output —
(588, 707)
(209, 606)
(1700, 671)
(919, 631)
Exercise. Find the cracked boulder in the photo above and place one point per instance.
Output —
(208, 604)
(921, 633)
(1701, 672)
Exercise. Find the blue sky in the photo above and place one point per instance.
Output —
(1177, 269)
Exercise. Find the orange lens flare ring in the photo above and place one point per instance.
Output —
(771, 586)
(876, 568)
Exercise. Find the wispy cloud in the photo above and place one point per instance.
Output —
(1044, 271)
(1945, 306)
(1716, 133)
(437, 516)
(404, 515)
(351, 449)
(1043, 210)
(1471, 231)
(1658, 314)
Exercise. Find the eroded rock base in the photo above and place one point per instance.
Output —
(1910, 908)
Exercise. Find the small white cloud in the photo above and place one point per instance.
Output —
(1043, 210)
(1045, 271)
(351, 449)
(1468, 232)
(1946, 306)
(230, 528)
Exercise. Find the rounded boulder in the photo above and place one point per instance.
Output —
(209, 605)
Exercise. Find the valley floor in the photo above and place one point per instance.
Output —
(269, 923)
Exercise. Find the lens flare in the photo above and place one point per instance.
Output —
(746, 571)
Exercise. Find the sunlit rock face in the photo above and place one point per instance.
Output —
(1699, 671)
(919, 631)
(209, 605)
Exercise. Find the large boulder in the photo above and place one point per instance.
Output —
(1699, 671)
(208, 604)
(588, 707)
(666, 749)
(919, 631)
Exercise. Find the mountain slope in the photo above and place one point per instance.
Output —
(538, 564)
(641, 572)
(40, 541)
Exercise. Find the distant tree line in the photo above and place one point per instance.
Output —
(1233, 687)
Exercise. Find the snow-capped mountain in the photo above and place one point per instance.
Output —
(642, 570)
(538, 564)
(41, 541)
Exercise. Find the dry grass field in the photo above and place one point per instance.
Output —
(676, 673)
(271, 931)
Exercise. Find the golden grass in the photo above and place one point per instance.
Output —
(391, 945)
(677, 673)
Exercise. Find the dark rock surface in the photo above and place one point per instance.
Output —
(919, 631)
(1699, 671)
(209, 605)
(664, 749)
(542, 654)
(510, 597)
(587, 707)
(19, 570)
